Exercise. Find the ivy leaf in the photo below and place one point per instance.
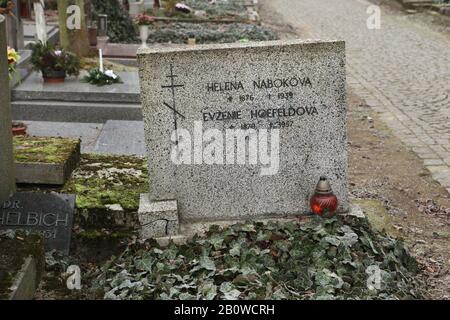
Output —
(229, 291)
(235, 251)
(145, 264)
(186, 296)
(207, 263)
(332, 240)
(216, 241)
(208, 290)
(248, 227)
(349, 238)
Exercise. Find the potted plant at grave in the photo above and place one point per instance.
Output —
(144, 21)
(19, 128)
(55, 64)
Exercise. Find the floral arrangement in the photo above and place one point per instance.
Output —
(144, 19)
(46, 58)
(101, 78)
(183, 8)
(13, 57)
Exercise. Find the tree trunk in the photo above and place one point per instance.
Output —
(62, 21)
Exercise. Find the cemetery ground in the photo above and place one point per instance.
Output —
(396, 192)
(387, 180)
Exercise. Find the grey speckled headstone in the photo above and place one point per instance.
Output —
(7, 178)
(48, 213)
(293, 88)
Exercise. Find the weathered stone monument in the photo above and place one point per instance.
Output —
(7, 178)
(241, 130)
(41, 27)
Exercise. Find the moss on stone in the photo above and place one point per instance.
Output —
(103, 180)
(43, 149)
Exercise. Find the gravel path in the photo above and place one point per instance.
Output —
(402, 70)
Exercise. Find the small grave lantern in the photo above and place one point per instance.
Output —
(324, 203)
(102, 25)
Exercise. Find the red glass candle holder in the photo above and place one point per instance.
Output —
(324, 203)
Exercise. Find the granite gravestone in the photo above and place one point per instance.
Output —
(243, 130)
(7, 177)
(48, 213)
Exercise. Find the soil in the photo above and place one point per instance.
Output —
(391, 184)
(382, 168)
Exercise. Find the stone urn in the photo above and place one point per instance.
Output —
(143, 31)
(54, 76)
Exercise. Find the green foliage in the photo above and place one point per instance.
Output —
(95, 76)
(120, 26)
(322, 259)
(46, 58)
(209, 33)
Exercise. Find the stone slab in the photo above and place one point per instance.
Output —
(157, 219)
(26, 281)
(121, 137)
(48, 213)
(33, 88)
(66, 111)
(47, 173)
(295, 89)
(87, 132)
(52, 34)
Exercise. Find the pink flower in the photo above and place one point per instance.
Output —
(144, 19)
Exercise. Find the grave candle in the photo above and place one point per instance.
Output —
(324, 203)
(100, 55)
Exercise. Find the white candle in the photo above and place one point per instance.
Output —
(100, 54)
